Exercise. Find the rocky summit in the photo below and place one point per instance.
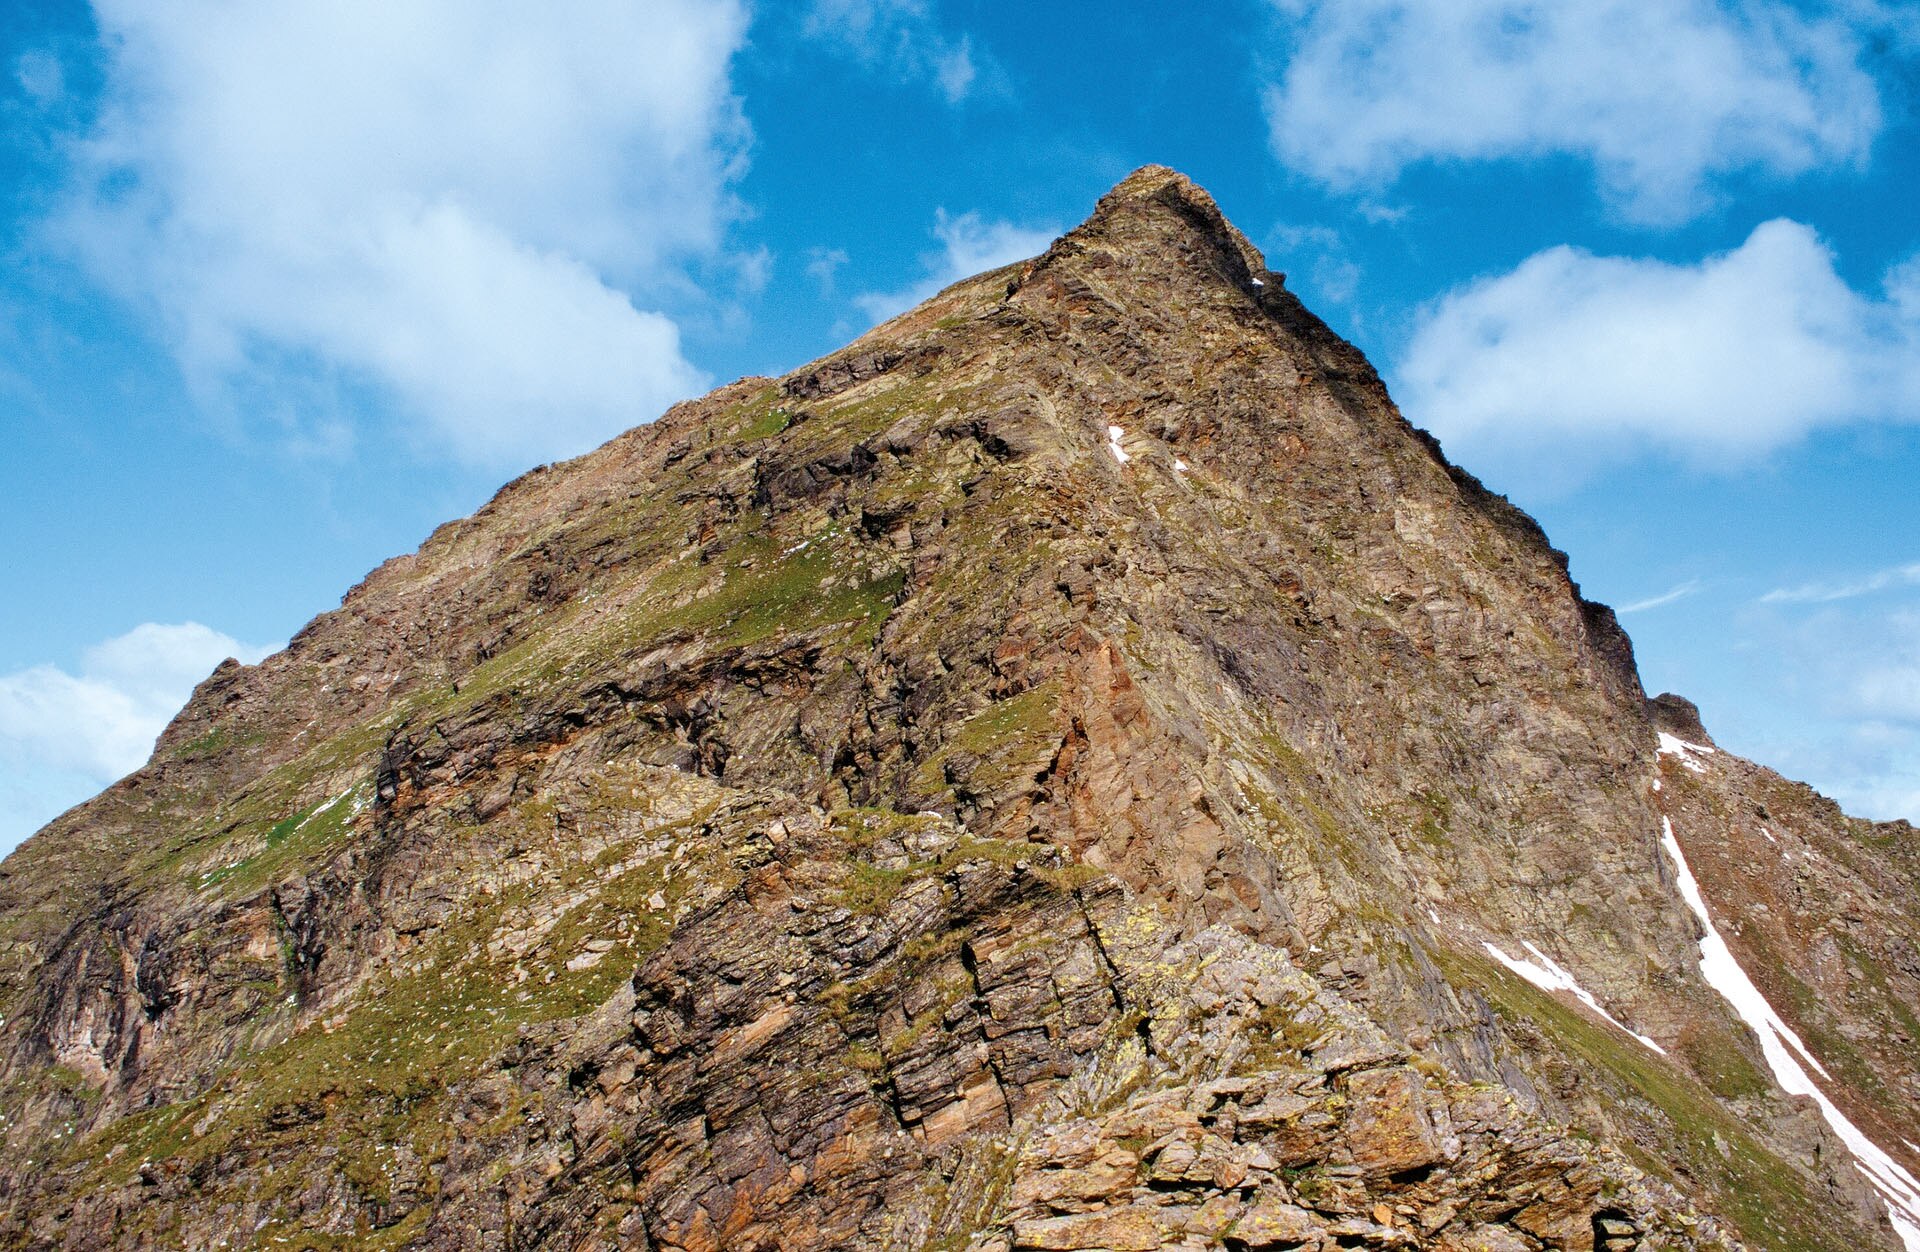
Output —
(1073, 770)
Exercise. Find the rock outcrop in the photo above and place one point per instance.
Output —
(1074, 770)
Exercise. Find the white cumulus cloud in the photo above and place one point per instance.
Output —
(65, 735)
(468, 206)
(1660, 96)
(969, 245)
(1741, 353)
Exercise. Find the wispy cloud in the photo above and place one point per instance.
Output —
(823, 266)
(467, 208)
(1728, 358)
(1826, 593)
(969, 245)
(1662, 97)
(40, 75)
(905, 37)
(1680, 592)
(1319, 259)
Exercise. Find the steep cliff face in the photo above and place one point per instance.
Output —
(1073, 770)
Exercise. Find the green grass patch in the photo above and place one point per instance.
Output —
(377, 1073)
(787, 591)
(297, 840)
(1435, 811)
(762, 416)
(71, 1081)
(871, 889)
(214, 742)
(1002, 747)
(751, 591)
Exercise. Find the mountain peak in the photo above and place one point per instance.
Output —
(1169, 188)
(1156, 217)
(1073, 769)
(1149, 178)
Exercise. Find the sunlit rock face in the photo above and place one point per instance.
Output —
(1073, 770)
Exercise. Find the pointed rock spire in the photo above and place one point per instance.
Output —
(1157, 218)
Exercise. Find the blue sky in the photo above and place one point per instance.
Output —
(288, 285)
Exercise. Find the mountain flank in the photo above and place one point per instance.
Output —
(1074, 769)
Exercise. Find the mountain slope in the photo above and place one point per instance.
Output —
(1074, 769)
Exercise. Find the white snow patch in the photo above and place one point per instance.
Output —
(323, 808)
(1114, 435)
(1723, 972)
(1435, 916)
(1258, 282)
(1672, 745)
(1179, 466)
(1769, 835)
(1549, 976)
(1778, 1043)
